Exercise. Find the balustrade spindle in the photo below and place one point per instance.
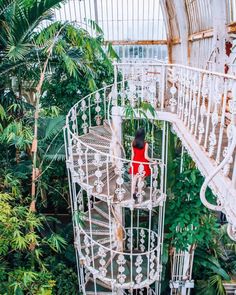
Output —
(210, 102)
(222, 123)
(199, 108)
(187, 97)
(201, 127)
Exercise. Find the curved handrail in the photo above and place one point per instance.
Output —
(122, 252)
(232, 77)
(214, 173)
(128, 256)
(156, 64)
(157, 161)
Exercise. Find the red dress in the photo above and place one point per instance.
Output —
(139, 157)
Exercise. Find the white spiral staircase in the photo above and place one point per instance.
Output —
(116, 252)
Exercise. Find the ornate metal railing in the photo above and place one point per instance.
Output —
(203, 100)
(108, 167)
(201, 104)
(204, 103)
(123, 269)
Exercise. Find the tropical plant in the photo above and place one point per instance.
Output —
(194, 224)
(23, 267)
(39, 59)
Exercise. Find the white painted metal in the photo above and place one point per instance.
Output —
(180, 95)
(183, 28)
(181, 271)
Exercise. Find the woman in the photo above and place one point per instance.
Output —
(139, 154)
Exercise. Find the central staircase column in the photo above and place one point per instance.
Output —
(116, 151)
(116, 126)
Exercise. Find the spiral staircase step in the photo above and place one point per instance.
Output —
(97, 216)
(95, 228)
(94, 140)
(98, 147)
(102, 208)
(108, 184)
(97, 233)
(106, 125)
(102, 131)
(96, 221)
(92, 179)
(99, 223)
(127, 194)
(92, 151)
(88, 157)
(101, 287)
(89, 167)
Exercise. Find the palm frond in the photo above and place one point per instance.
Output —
(23, 24)
(49, 127)
(216, 281)
(56, 153)
(95, 26)
(4, 5)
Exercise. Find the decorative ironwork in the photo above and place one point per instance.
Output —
(96, 169)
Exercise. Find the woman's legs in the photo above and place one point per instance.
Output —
(134, 183)
(140, 185)
(137, 186)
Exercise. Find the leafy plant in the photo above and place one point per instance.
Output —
(193, 224)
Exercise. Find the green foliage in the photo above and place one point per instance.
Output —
(215, 264)
(17, 134)
(16, 228)
(143, 110)
(37, 253)
(22, 248)
(193, 224)
(188, 222)
(20, 20)
(21, 281)
(66, 277)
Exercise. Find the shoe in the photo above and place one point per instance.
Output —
(135, 196)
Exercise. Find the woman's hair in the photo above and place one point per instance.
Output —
(139, 139)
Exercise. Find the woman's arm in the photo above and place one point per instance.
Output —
(132, 151)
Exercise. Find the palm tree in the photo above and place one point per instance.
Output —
(26, 41)
(19, 21)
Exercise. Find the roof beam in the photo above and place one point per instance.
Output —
(201, 35)
(175, 41)
(231, 28)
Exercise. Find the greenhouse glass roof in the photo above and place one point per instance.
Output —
(180, 31)
(122, 21)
